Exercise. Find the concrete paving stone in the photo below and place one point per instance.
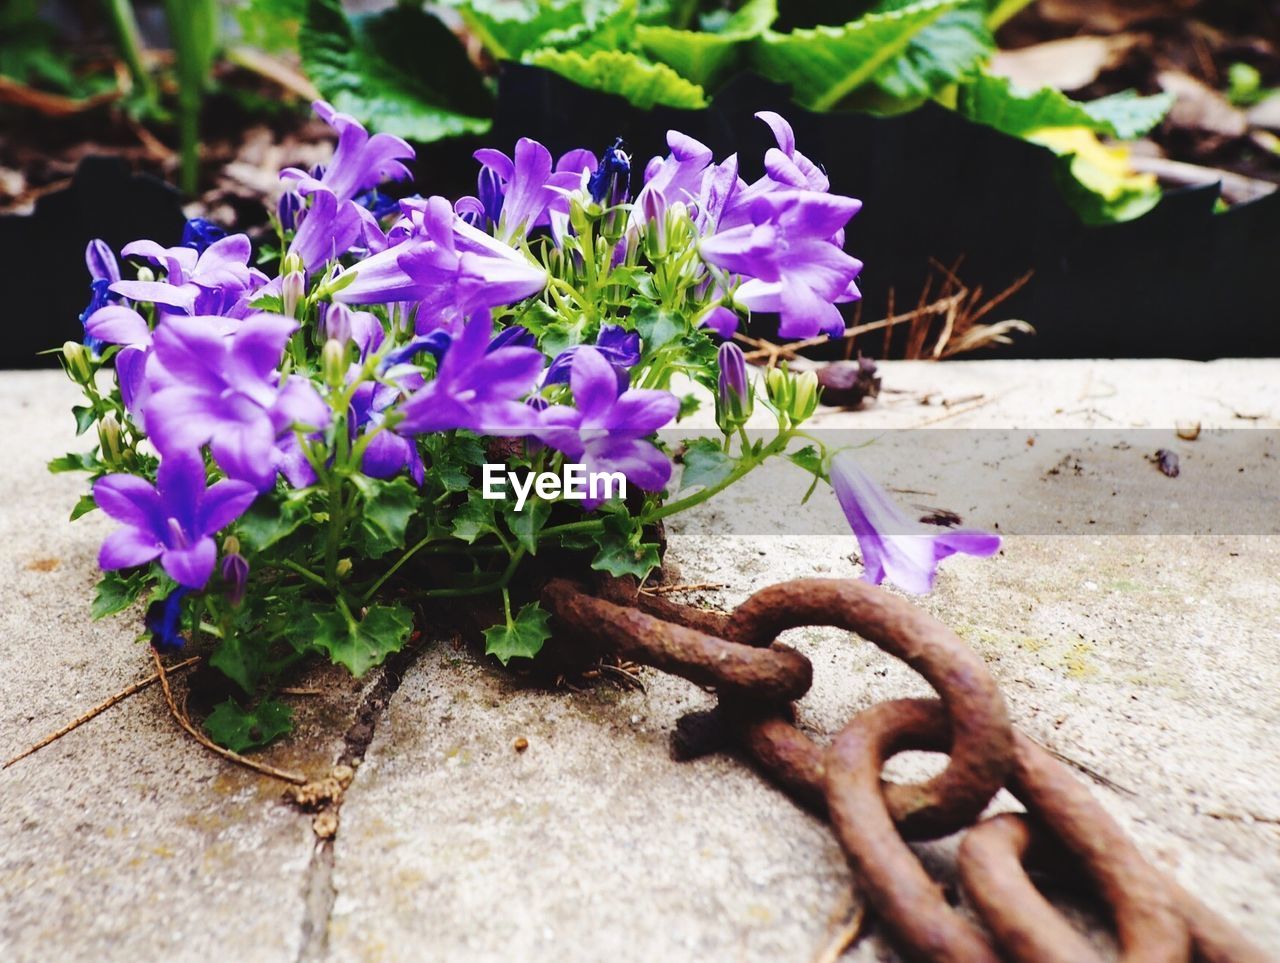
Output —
(1149, 658)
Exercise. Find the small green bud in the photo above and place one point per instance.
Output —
(292, 264)
(781, 389)
(343, 567)
(77, 358)
(146, 274)
(333, 363)
(109, 439)
(806, 396)
(231, 545)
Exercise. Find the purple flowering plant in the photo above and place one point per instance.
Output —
(298, 444)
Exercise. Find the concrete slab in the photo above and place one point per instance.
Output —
(1150, 658)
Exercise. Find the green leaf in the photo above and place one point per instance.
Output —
(269, 519)
(688, 405)
(474, 518)
(401, 71)
(362, 645)
(74, 462)
(999, 11)
(83, 506)
(271, 25)
(643, 84)
(808, 458)
(949, 50)
(527, 523)
(388, 506)
(705, 465)
(521, 637)
(825, 64)
(85, 418)
(657, 326)
(240, 730)
(508, 28)
(703, 56)
(621, 551)
(998, 103)
(116, 592)
(238, 661)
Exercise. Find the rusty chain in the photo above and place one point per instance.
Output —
(757, 679)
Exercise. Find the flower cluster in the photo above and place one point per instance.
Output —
(322, 427)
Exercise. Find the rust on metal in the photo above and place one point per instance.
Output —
(982, 749)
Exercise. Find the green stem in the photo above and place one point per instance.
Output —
(193, 26)
(306, 573)
(399, 563)
(130, 43)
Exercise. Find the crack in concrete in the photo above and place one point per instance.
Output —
(319, 893)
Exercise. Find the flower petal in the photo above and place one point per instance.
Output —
(191, 566)
(127, 547)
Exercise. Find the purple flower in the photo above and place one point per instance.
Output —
(116, 324)
(359, 162)
(362, 328)
(476, 388)
(327, 229)
(610, 184)
(451, 268)
(200, 234)
(517, 195)
(620, 347)
(789, 262)
(104, 271)
(607, 428)
(221, 387)
(164, 621)
(173, 521)
(215, 281)
(387, 454)
(893, 546)
(678, 176)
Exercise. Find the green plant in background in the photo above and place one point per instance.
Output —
(193, 30)
(404, 71)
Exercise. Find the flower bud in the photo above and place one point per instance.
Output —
(287, 209)
(734, 397)
(343, 568)
(146, 274)
(235, 572)
(293, 288)
(109, 439)
(610, 185)
(291, 263)
(806, 396)
(76, 357)
(781, 389)
(333, 363)
(231, 545)
(653, 208)
(335, 321)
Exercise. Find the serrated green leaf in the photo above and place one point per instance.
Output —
(508, 28)
(643, 84)
(947, 51)
(825, 64)
(401, 71)
(362, 645)
(688, 405)
(83, 506)
(238, 661)
(997, 102)
(388, 507)
(239, 729)
(474, 519)
(808, 458)
(527, 523)
(703, 56)
(706, 464)
(522, 638)
(269, 519)
(72, 461)
(657, 326)
(116, 592)
(621, 551)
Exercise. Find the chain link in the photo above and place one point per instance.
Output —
(758, 678)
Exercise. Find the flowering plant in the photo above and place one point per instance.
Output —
(295, 459)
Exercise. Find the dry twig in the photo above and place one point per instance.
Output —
(100, 708)
(184, 720)
(844, 937)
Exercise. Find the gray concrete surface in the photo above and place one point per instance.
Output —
(1153, 659)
